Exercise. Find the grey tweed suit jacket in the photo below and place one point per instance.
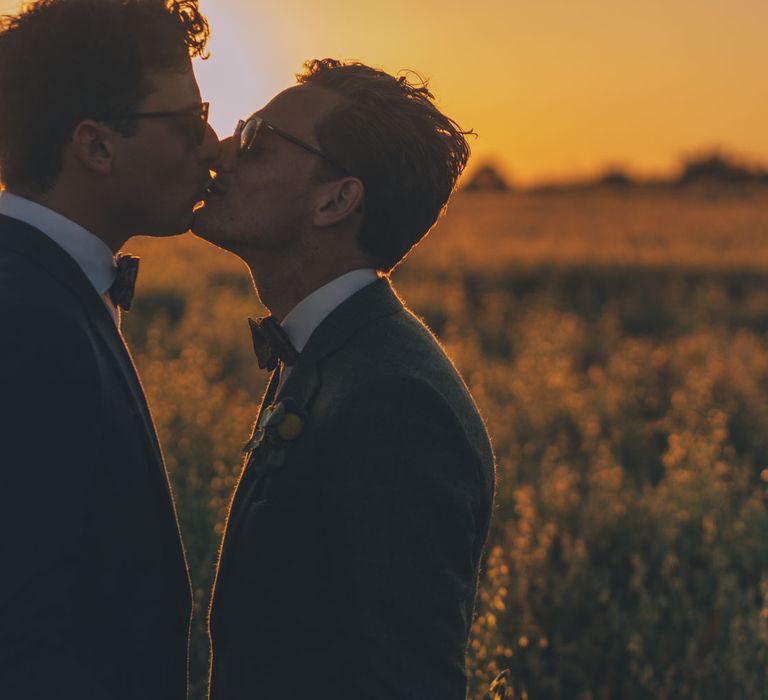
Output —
(350, 560)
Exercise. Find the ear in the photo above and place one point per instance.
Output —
(338, 201)
(93, 146)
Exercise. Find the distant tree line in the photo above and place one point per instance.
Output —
(718, 167)
(711, 167)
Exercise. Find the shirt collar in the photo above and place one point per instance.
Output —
(91, 253)
(310, 312)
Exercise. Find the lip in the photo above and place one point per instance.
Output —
(212, 187)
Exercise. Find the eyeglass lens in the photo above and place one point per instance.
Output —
(249, 133)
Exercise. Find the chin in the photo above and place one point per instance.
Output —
(182, 225)
(169, 233)
(208, 230)
(205, 223)
(168, 228)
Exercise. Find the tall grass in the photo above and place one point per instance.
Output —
(616, 344)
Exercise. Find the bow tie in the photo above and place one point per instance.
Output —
(271, 343)
(121, 291)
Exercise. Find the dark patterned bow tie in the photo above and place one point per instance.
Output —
(271, 343)
(121, 291)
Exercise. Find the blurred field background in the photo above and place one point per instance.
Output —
(613, 329)
(616, 340)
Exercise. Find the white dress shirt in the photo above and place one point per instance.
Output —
(91, 253)
(310, 312)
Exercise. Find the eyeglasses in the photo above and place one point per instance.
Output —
(197, 118)
(247, 131)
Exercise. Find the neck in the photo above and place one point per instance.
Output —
(282, 284)
(82, 213)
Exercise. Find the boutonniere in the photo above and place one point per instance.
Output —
(279, 423)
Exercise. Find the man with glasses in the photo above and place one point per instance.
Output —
(103, 135)
(350, 558)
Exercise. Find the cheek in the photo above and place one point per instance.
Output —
(251, 213)
(179, 168)
(265, 204)
(267, 218)
(169, 167)
(229, 214)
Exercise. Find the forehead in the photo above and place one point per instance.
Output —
(298, 109)
(172, 89)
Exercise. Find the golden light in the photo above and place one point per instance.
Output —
(552, 88)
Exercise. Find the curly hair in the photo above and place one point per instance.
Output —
(62, 61)
(389, 133)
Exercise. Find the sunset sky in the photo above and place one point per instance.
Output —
(553, 87)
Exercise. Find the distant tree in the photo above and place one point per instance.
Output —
(615, 178)
(717, 167)
(487, 179)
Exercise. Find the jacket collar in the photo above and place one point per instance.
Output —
(26, 240)
(374, 301)
(371, 302)
(91, 253)
(309, 313)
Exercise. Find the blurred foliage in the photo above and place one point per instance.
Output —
(627, 398)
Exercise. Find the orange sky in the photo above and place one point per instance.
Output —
(553, 87)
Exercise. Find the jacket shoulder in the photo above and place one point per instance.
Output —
(397, 358)
(39, 315)
(398, 344)
(26, 284)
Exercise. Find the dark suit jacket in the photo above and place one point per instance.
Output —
(94, 591)
(351, 554)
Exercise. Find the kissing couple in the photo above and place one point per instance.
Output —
(350, 558)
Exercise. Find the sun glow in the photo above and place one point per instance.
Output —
(552, 88)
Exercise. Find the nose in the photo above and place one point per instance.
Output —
(227, 156)
(210, 147)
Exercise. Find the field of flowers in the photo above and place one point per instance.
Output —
(617, 344)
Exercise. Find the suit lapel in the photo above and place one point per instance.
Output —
(303, 384)
(304, 381)
(269, 395)
(28, 241)
(244, 486)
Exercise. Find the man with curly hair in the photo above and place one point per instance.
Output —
(350, 559)
(103, 135)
